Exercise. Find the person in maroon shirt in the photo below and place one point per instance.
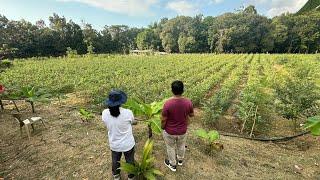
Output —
(174, 122)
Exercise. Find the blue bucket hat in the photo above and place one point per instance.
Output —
(116, 98)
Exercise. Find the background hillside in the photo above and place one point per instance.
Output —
(310, 6)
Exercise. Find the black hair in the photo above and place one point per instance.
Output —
(177, 87)
(114, 111)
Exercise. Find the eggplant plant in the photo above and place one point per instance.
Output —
(145, 168)
(149, 112)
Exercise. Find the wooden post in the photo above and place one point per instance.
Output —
(27, 129)
(15, 105)
(254, 122)
(2, 108)
(32, 106)
(244, 123)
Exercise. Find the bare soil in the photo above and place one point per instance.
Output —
(71, 149)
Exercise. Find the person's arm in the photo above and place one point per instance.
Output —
(163, 121)
(164, 116)
(133, 121)
(191, 114)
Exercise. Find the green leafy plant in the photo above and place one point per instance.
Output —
(11, 94)
(210, 138)
(145, 168)
(150, 112)
(5, 64)
(32, 95)
(296, 90)
(313, 124)
(85, 115)
(255, 107)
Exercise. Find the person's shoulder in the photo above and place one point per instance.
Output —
(126, 111)
(106, 111)
(188, 100)
(171, 99)
(168, 101)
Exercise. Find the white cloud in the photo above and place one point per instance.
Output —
(129, 7)
(182, 7)
(281, 6)
(277, 7)
(217, 1)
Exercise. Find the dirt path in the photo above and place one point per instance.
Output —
(69, 149)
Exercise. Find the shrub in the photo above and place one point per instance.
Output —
(5, 64)
(296, 90)
(71, 53)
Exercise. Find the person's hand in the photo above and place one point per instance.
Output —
(134, 122)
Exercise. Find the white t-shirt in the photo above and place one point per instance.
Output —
(119, 130)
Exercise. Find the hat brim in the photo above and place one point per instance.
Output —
(121, 101)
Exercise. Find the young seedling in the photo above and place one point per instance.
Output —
(85, 115)
(145, 168)
(210, 138)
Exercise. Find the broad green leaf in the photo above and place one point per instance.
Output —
(134, 106)
(147, 110)
(149, 175)
(156, 125)
(201, 133)
(157, 172)
(313, 124)
(213, 135)
(150, 160)
(129, 168)
(157, 107)
(147, 150)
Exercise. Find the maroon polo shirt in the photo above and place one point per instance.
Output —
(177, 111)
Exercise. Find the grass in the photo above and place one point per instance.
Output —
(70, 149)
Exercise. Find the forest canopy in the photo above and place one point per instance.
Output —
(242, 31)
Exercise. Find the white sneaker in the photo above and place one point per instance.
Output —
(116, 177)
(171, 167)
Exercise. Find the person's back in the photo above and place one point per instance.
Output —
(177, 111)
(118, 121)
(119, 129)
(175, 120)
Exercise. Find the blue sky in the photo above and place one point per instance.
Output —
(135, 13)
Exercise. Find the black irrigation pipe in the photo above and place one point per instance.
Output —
(272, 139)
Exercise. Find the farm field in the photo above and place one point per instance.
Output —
(242, 94)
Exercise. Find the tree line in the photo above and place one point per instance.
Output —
(242, 31)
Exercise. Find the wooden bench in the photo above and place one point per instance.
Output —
(27, 122)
